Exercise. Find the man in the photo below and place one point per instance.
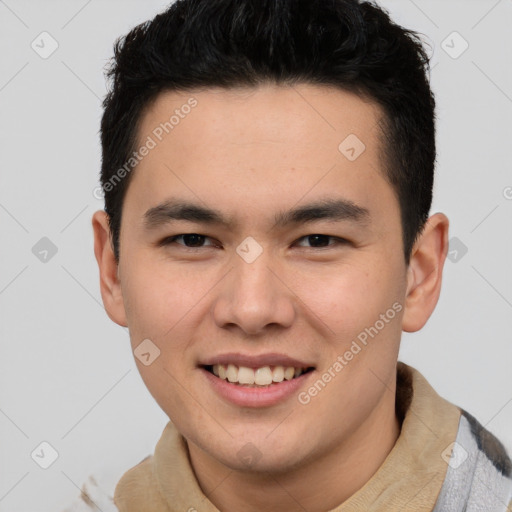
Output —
(268, 170)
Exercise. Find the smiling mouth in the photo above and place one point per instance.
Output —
(262, 377)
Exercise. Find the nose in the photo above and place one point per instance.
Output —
(254, 297)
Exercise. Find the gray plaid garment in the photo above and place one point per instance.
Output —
(479, 476)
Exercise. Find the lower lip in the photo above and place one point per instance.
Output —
(244, 396)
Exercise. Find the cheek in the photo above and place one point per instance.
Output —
(162, 306)
(166, 384)
(159, 299)
(346, 298)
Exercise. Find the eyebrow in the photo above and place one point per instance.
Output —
(336, 209)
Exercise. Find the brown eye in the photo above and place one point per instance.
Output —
(322, 241)
(193, 240)
(189, 240)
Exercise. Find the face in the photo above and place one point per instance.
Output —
(260, 232)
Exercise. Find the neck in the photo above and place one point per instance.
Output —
(318, 485)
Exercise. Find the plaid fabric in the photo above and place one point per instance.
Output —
(479, 476)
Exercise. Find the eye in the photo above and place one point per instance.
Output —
(197, 241)
(190, 240)
(319, 241)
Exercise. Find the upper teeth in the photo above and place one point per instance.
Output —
(260, 376)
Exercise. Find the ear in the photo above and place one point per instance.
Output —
(109, 280)
(425, 271)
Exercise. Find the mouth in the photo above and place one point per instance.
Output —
(261, 377)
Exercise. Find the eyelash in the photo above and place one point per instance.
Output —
(172, 239)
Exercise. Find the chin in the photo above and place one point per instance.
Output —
(259, 454)
(252, 460)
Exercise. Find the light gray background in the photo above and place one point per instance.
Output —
(67, 375)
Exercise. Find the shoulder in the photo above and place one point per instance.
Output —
(489, 446)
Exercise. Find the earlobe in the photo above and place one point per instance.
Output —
(425, 271)
(110, 284)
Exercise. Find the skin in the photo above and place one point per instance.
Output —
(251, 153)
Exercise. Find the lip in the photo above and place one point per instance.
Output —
(256, 396)
(255, 361)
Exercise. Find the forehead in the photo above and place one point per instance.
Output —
(304, 112)
(274, 143)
